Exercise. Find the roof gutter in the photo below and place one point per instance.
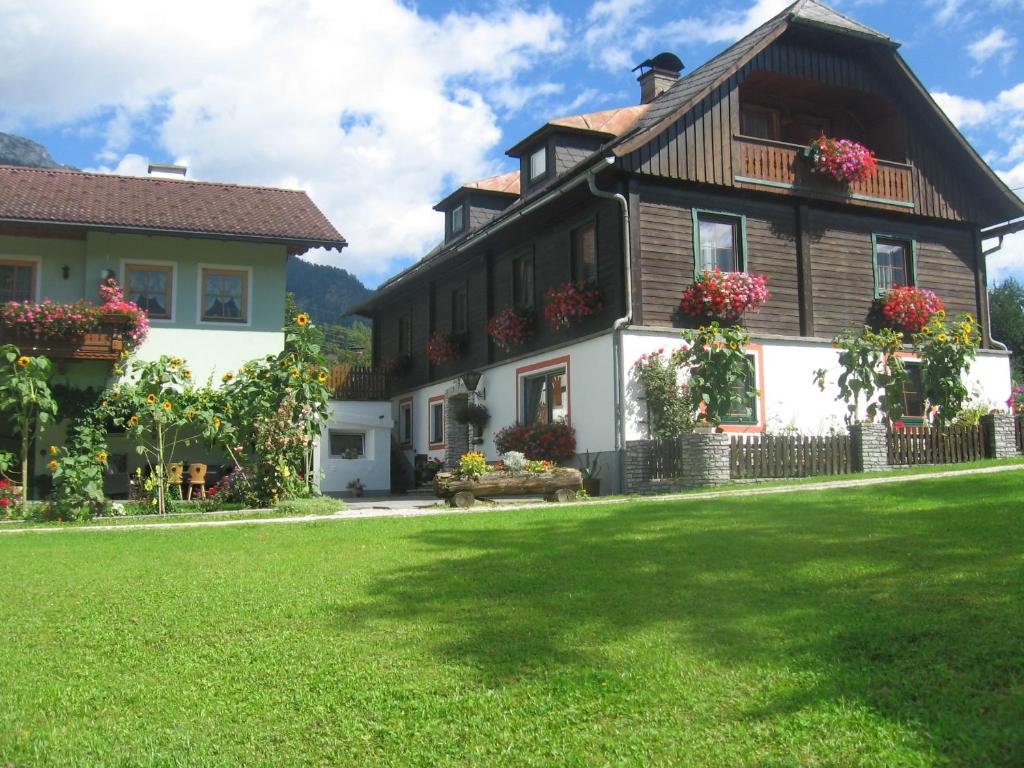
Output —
(988, 293)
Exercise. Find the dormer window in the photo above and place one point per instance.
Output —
(538, 163)
(456, 219)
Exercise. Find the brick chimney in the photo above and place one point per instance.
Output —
(657, 75)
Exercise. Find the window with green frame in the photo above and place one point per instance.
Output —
(719, 240)
(894, 261)
(743, 407)
(913, 395)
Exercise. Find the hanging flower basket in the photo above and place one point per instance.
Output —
(842, 160)
(909, 307)
(725, 295)
(510, 329)
(398, 366)
(571, 304)
(443, 348)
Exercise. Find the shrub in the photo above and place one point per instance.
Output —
(668, 402)
(717, 360)
(570, 304)
(725, 295)
(870, 367)
(553, 442)
(842, 160)
(909, 307)
(514, 462)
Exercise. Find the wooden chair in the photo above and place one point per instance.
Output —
(174, 474)
(197, 478)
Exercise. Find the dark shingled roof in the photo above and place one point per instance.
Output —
(129, 203)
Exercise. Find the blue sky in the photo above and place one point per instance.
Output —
(380, 109)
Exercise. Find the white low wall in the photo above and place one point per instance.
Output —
(373, 468)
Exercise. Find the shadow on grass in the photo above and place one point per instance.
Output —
(906, 599)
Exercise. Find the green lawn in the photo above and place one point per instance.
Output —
(878, 626)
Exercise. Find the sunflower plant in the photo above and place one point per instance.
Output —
(947, 350)
(25, 398)
(870, 369)
(717, 359)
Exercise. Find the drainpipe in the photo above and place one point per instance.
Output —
(619, 325)
(988, 300)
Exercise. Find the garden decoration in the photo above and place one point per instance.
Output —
(909, 307)
(570, 304)
(842, 160)
(725, 295)
(510, 329)
(717, 359)
(474, 478)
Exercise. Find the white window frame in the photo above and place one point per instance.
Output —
(439, 443)
(201, 268)
(37, 266)
(123, 276)
(459, 210)
(523, 379)
(531, 166)
(333, 455)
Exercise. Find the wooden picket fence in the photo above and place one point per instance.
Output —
(935, 445)
(756, 457)
(665, 460)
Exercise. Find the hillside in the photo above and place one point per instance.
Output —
(17, 150)
(326, 293)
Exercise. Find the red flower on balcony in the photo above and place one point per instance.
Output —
(842, 160)
(570, 304)
(510, 329)
(910, 307)
(725, 295)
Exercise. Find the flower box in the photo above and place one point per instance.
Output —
(105, 342)
(725, 295)
(559, 484)
(510, 329)
(908, 307)
(571, 304)
(841, 160)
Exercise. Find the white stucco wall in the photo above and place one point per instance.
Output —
(590, 393)
(373, 420)
(791, 397)
(210, 352)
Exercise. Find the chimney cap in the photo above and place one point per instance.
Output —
(665, 61)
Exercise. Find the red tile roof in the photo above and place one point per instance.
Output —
(608, 123)
(43, 195)
(506, 183)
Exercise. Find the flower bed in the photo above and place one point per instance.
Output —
(510, 328)
(515, 475)
(842, 160)
(571, 304)
(725, 295)
(553, 442)
(909, 307)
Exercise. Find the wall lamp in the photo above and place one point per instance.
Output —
(471, 380)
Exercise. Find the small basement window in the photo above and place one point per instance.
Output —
(348, 445)
(913, 395)
(743, 406)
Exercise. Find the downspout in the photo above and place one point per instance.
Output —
(988, 299)
(619, 379)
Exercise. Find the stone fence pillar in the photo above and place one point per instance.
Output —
(705, 459)
(1000, 440)
(870, 452)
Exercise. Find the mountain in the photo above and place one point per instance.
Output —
(326, 293)
(17, 150)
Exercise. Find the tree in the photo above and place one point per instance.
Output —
(1007, 305)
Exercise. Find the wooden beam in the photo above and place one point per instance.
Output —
(804, 272)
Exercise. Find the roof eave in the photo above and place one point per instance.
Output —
(880, 39)
(547, 129)
(466, 191)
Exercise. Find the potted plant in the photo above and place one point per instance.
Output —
(725, 295)
(841, 160)
(590, 469)
(356, 487)
(474, 414)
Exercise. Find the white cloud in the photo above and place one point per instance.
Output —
(369, 107)
(724, 26)
(995, 43)
(962, 111)
(611, 38)
(1007, 261)
(948, 10)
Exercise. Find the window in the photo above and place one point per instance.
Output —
(584, 254)
(806, 128)
(718, 242)
(538, 163)
(759, 122)
(348, 445)
(743, 407)
(437, 423)
(405, 422)
(522, 282)
(150, 286)
(225, 295)
(545, 397)
(457, 219)
(460, 310)
(404, 335)
(17, 280)
(894, 262)
(913, 395)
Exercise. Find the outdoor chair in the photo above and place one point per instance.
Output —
(174, 474)
(197, 479)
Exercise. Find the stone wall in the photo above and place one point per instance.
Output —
(870, 451)
(638, 473)
(1000, 440)
(704, 461)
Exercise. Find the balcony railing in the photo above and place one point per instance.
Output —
(347, 382)
(106, 342)
(778, 165)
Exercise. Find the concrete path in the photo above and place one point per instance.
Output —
(420, 507)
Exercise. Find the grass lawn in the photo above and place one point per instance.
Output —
(878, 626)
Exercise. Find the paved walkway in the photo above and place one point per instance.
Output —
(420, 507)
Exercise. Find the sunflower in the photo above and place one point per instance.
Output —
(227, 377)
(943, 338)
(322, 377)
(103, 404)
(53, 466)
(115, 395)
(296, 373)
(167, 405)
(187, 373)
(150, 398)
(216, 423)
(190, 414)
(101, 457)
(733, 345)
(54, 450)
(134, 421)
(302, 319)
(23, 361)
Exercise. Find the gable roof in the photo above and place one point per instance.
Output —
(817, 14)
(165, 206)
(502, 184)
(607, 123)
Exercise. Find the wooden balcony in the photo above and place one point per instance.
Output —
(781, 167)
(105, 343)
(348, 382)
